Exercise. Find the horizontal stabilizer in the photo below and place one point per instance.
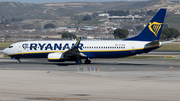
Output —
(153, 43)
(167, 41)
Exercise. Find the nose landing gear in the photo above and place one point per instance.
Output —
(18, 61)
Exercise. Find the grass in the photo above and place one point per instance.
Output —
(92, 22)
(144, 57)
(6, 56)
(170, 47)
(4, 45)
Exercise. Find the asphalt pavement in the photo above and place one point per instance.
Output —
(114, 80)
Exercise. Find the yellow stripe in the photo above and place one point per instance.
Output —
(86, 51)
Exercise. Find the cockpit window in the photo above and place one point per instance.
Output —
(10, 46)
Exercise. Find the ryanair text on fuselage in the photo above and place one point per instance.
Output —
(50, 46)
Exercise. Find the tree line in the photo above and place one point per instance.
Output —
(166, 33)
(169, 33)
(68, 35)
(7, 21)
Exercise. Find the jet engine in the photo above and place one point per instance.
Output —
(56, 57)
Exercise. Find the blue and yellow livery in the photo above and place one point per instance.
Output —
(61, 51)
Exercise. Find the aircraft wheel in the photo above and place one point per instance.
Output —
(78, 62)
(87, 61)
(18, 61)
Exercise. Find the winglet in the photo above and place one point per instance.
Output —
(77, 43)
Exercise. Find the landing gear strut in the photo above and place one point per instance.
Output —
(78, 62)
(18, 61)
(87, 61)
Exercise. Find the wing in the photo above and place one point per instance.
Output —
(70, 55)
(74, 51)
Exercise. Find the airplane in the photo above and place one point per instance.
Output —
(61, 51)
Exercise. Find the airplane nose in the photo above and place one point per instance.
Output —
(4, 51)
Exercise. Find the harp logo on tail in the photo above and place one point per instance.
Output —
(154, 27)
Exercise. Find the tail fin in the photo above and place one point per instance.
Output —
(153, 30)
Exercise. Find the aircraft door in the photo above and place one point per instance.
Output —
(19, 48)
(133, 47)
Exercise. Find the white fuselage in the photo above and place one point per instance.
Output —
(92, 49)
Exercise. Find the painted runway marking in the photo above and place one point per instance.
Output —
(112, 69)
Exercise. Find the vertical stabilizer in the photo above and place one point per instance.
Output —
(153, 30)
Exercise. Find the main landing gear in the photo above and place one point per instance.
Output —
(78, 62)
(87, 61)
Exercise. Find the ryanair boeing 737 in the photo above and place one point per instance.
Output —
(60, 51)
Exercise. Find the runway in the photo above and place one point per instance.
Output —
(152, 53)
(104, 64)
(117, 80)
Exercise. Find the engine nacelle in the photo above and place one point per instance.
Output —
(56, 57)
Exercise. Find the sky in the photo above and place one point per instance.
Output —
(59, 1)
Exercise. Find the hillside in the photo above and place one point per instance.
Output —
(57, 10)
(170, 6)
(60, 14)
(32, 11)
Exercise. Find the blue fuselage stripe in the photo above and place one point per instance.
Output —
(114, 54)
